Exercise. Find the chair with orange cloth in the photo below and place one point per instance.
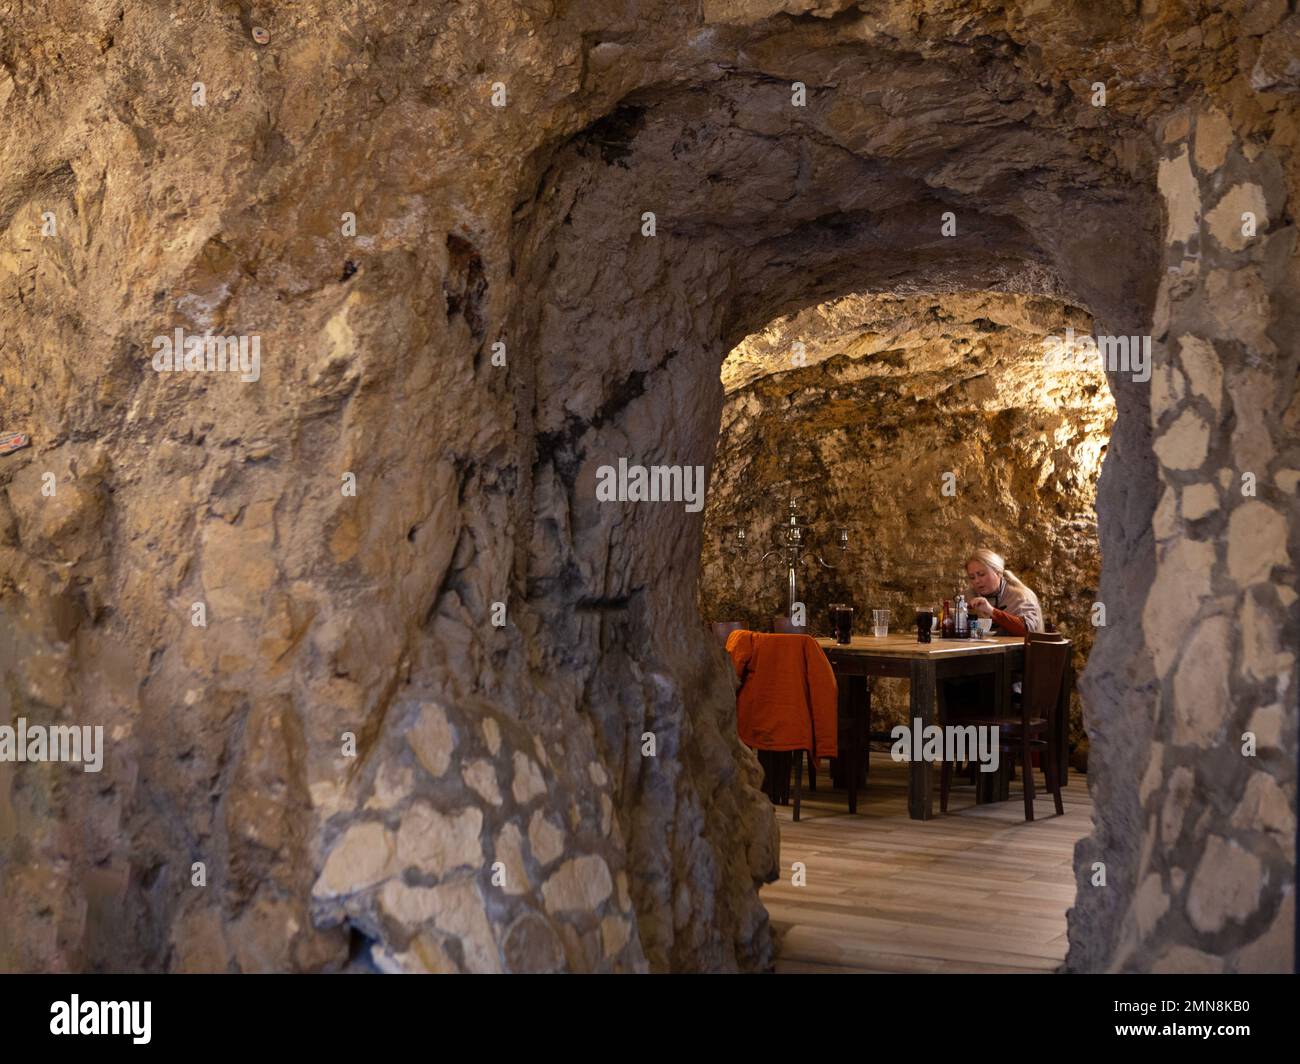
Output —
(787, 704)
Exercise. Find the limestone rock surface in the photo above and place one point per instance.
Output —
(391, 527)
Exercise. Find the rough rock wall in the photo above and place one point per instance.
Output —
(897, 392)
(1198, 823)
(372, 615)
(330, 617)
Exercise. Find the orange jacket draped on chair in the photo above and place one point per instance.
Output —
(788, 698)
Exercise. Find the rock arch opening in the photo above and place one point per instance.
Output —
(925, 425)
(660, 237)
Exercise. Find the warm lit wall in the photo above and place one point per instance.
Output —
(911, 389)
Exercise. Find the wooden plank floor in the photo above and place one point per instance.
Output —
(977, 890)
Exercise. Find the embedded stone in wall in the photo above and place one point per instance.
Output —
(1184, 444)
(481, 777)
(1257, 537)
(1201, 364)
(1274, 950)
(528, 783)
(1182, 198)
(1152, 904)
(1201, 696)
(1238, 305)
(1225, 886)
(509, 851)
(1178, 795)
(1213, 139)
(432, 739)
(545, 839)
(1226, 219)
(1182, 581)
(1266, 807)
(579, 885)
(456, 908)
(531, 945)
(1262, 656)
(1198, 501)
(365, 855)
(429, 841)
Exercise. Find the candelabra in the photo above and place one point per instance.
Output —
(792, 547)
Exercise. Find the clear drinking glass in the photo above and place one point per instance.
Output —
(879, 623)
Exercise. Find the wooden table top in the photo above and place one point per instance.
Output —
(904, 645)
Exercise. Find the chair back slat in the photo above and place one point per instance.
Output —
(1045, 662)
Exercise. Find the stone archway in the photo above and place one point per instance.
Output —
(634, 328)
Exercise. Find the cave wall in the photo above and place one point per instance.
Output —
(497, 810)
(1197, 800)
(897, 393)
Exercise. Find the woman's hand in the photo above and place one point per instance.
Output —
(981, 606)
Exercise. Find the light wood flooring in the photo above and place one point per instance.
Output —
(976, 890)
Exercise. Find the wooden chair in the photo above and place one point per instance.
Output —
(1050, 635)
(776, 764)
(1034, 731)
(776, 774)
(782, 625)
(1061, 730)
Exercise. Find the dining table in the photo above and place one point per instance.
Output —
(924, 666)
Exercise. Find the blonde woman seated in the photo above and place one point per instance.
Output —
(1014, 609)
(999, 594)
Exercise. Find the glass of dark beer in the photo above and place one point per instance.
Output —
(924, 622)
(842, 622)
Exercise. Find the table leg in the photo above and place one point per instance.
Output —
(1003, 773)
(1063, 725)
(920, 784)
(851, 754)
(1001, 687)
(863, 735)
(987, 785)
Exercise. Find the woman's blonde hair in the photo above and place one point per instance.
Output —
(993, 560)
